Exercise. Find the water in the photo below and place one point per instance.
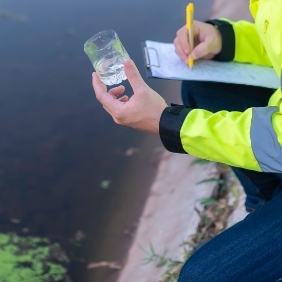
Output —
(111, 70)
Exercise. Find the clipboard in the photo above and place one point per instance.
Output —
(162, 62)
(147, 62)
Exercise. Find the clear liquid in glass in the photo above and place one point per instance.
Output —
(111, 70)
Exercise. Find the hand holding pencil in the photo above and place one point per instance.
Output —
(206, 41)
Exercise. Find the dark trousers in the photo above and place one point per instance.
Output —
(252, 249)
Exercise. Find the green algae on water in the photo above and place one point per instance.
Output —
(30, 259)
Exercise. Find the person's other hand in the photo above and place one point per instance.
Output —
(207, 42)
(141, 111)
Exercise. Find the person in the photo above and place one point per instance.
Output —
(233, 124)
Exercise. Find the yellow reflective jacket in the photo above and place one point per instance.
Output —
(250, 139)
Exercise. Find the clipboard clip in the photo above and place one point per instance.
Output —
(147, 58)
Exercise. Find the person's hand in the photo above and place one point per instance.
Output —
(207, 42)
(141, 111)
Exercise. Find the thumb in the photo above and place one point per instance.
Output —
(133, 75)
(200, 50)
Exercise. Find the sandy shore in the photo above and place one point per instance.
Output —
(169, 216)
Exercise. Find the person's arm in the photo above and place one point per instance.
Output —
(251, 140)
(222, 40)
(240, 42)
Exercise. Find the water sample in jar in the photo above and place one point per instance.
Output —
(107, 56)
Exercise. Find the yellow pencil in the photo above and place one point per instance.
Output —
(189, 26)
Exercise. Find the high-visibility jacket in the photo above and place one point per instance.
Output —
(251, 139)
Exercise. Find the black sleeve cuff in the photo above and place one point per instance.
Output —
(170, 125)
(228, 40)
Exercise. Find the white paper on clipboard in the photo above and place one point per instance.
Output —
(163, 62)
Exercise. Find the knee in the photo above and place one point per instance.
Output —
(202, 265)
(189, 272)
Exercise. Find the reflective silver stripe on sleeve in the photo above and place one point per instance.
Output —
(266, 148)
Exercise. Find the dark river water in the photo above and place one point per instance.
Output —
(57, 144)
